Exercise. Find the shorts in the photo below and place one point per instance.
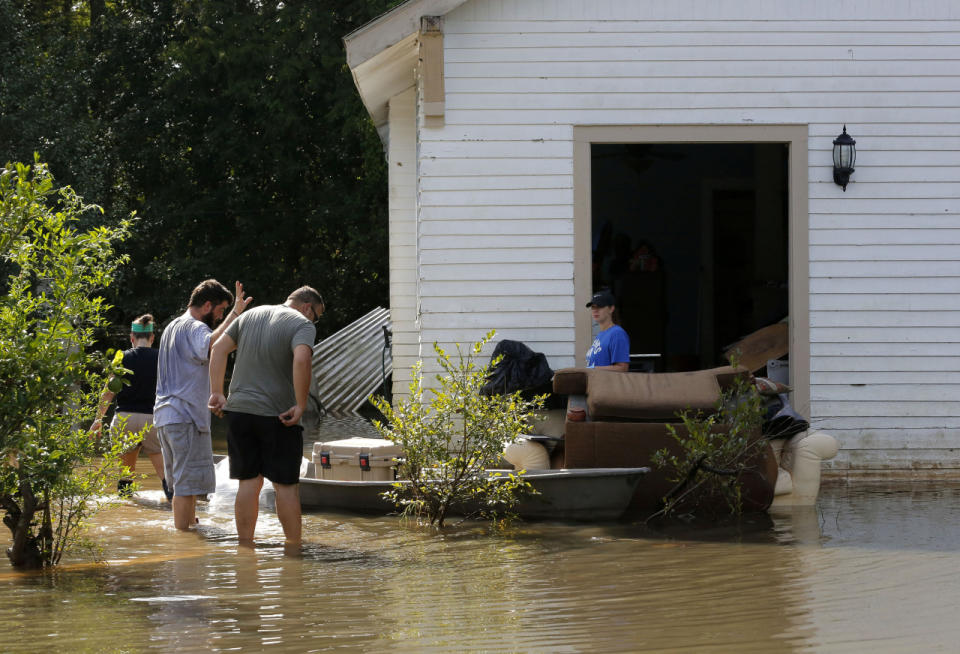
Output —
(135, 422)
(262, 445)
(187, 459)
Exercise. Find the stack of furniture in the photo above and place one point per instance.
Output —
(620, 419)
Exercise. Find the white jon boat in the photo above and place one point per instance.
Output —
(588, 494)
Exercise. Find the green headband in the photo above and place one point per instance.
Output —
(137, 328)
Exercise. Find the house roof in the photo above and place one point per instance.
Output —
(382, 54)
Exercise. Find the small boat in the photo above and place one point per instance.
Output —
(588, 494)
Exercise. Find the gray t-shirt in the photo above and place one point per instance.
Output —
(262, 382)
(183, 375)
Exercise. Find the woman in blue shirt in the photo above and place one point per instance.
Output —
(611, 347)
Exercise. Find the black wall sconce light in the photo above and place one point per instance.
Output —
(844, 156)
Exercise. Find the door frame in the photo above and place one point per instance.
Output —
(795, 136)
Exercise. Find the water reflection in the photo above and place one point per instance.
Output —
(869, 568)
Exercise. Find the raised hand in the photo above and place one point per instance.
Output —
(240, 304)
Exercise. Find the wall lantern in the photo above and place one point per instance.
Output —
(844, 156)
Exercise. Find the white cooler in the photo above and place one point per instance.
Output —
(356, 459)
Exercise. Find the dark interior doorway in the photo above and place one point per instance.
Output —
(693, 241)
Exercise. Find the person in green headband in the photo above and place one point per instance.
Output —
(135, 396)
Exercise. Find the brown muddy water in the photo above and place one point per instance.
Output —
(870, 569)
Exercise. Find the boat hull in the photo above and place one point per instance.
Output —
(584, 494)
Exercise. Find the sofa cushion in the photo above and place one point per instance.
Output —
(649, 396)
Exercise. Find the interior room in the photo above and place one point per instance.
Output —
(692, 239)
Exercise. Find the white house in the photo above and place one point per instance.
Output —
(682, 151)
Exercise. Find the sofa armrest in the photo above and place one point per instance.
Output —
(570, 381)
(801, 457)
(808, 446)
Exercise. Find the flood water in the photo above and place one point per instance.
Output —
(868, 569)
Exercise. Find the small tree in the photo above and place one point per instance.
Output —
(49, 381)
(451, 441)
(715, 454)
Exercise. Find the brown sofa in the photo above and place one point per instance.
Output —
(626, 417)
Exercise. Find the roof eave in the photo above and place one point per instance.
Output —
(383, 76)
(382, 54)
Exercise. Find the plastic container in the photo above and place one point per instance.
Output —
(356, 459)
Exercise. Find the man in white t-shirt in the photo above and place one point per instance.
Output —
(180, 412)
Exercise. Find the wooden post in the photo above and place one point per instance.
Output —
(431, 65)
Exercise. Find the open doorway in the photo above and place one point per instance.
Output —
(693, 240)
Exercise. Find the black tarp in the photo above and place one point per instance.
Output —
(521, 369)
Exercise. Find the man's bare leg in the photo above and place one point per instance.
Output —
(288, 510)
(246, 507)
(184, 511)
(157, 460)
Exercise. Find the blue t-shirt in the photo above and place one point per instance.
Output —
(611, 346)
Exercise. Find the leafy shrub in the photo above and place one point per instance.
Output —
(49, 381)
(715, 454)
(451, 441)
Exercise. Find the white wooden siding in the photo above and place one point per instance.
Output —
(495, 182)
(402, 180)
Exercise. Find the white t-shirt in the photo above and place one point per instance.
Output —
(183, 374)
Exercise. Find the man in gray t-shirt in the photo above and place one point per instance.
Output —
(268, 394)
(182, 421)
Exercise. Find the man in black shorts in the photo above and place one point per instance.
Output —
(268, 394)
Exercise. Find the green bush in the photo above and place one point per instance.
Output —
(49, 380)
(451, 441)
(714, 454)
